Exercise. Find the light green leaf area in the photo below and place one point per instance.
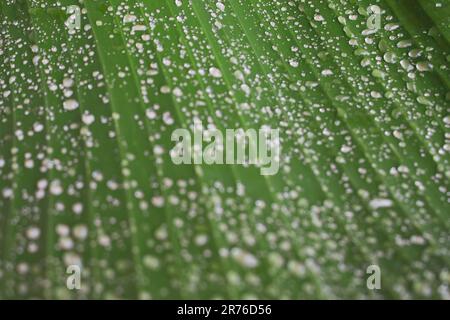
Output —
(359, 91)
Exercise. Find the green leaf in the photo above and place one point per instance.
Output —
(87, 179)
